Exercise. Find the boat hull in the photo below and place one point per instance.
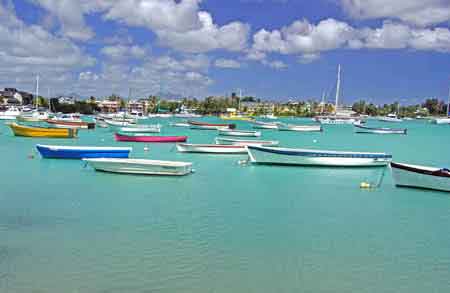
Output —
(282, 156)
(64, 152)
(153, 139)
(300, 128)
(141, 129)
(71, 124)
(243, 142)
(420, 177)
(216, 126)
(140, 167)
(368, 130)
(229, 132)
(211, 148)
(30, 131)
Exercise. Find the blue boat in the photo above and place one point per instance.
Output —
(80, 152)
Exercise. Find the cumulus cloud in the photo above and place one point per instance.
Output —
(309, 40)
(227, 63)
(277, 64)
(416, 12)
(123, 53)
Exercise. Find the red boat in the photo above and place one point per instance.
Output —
(71, 124)
(149, 138)
(203, 125)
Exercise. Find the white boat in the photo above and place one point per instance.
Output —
(101, 124)
(444, 120)
(144, 128)
(421, 176)
(72, 117)
(269, 116)
(118, 123)
(234, 132)
(300, 128)
(211, 148)
(11, 114)
(390, 118)
(265, 125)
(140, 166)
(373, 130)
(245, 142)
(160, 115)
(187, 115)
(339, 117)
(180, 124)
(289, 156)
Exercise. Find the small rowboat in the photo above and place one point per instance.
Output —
(118, 123)
(234, 132)
(373, 130)
(80, 152)
(33, 131)
(390, 118)
(71, 124)
(140, 166)
(421, 176)
(142, 129)
(180, 124)
(148, 138)
(236, 118)
(211, 148)
(101, 124)
(210, 126)
(288, 156)
(300, 128)
(265, 125)
(246, 142)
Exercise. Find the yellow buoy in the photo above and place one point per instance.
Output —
(365, 185)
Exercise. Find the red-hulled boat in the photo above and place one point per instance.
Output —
(71, 124)
(213, 126)
(148, 138)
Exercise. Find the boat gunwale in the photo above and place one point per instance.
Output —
(436, 172)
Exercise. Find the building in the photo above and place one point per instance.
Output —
(66, 100)
(107, 106)
(13, 96)
(256, 108)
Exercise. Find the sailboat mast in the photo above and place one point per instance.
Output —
(338, 88)
(37, 91)
(323, 103)
(448, 104)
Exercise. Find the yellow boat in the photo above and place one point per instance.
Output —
(236, 118)
(33, 131)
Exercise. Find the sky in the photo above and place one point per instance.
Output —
(273, 49)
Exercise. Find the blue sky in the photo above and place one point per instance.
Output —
(274, 49)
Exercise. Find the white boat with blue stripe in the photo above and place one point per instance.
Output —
(309, 157)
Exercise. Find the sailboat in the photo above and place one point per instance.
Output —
(339, 117)
(392, 117)
(444, 120)
(36, 115)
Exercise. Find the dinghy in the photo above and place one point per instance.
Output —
(246, 142)
(118, 123)
(235, 132)
(265, 125)
(289, 156)
(10, 114)
(180, 124)
(210, 126)
(71, 124)
(300, 128)
(421, 176)
(390, 118)
(373, 130)
(211, 148)
(140, 166)
(33, 131)
(156, 128)
(148, 138)
(80, 152)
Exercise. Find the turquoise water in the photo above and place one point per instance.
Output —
(228, 227)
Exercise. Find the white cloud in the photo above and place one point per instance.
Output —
(308, 58)
(70, 16)
(275, 64)
(227, 63)
(417, 12)
(123, 53)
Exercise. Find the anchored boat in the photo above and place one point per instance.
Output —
(235, 132)
(289, 156)
(148, 138)
(300, 128)
(246, 142)
(373, 130)
(33, 131)
(210, 126)
(80, 152)
(211, 148)
(70, 124)
(265, 125)
(155, 128)
(421, 176)
(140, 166)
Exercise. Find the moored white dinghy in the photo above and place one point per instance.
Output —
(145, 128)
(246, 142)
(211, 148)
(417, 176)
(300, 128)
(373, 130)
(140, 166)
(265, 125)
(289, 156)
(180, 124)
(118, 123)
(235, 132)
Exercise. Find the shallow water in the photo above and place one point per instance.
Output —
(226, 228)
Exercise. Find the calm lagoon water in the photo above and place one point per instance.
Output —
(226, 228)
